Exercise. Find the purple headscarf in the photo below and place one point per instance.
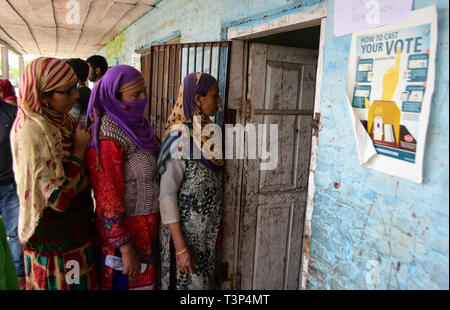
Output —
(128, 115)
(191, 88)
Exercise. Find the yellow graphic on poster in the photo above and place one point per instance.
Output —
(385, 111)
(389, 88)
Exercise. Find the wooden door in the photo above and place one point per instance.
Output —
(281, 91)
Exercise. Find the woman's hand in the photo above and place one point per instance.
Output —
(80, 140)
(131, 260)
(185, 262)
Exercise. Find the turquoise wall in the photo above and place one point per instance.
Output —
(360, 215)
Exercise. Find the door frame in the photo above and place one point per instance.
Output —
(238, 107)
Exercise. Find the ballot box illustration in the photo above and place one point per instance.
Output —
(383, 123)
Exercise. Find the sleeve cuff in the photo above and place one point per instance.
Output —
(118, 242)
(169, 209)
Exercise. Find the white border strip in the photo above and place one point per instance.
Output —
(311, 185)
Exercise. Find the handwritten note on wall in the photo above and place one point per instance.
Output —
(358, 15)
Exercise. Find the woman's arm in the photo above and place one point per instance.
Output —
(170, 184)
(75, 181)
(184, 258)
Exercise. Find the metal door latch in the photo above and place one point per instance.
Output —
(316, 125)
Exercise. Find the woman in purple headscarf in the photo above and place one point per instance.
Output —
(190, 174)
(122, 164)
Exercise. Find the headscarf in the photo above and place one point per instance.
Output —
(40, 140)
(8, 92)
(128, 115)
(183, 113)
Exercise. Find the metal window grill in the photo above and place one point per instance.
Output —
(165, 66)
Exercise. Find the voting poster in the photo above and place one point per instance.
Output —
(390, 83)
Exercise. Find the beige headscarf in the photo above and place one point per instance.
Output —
(37, 140)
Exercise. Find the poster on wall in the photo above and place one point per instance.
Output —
(136, 61)
(115, 49)
(390, 83)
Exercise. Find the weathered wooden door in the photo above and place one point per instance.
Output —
(281, 91)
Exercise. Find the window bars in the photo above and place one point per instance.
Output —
(165, 66)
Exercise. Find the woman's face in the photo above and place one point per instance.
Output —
(135, 94)
(209, 103)
(62, 99)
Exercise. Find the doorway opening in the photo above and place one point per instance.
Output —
(302, 38)
(278, 87)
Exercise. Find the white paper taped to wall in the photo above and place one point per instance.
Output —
(357, 15)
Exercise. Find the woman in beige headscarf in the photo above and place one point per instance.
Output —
(48, 150)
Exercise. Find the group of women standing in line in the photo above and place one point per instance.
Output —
(120, 243)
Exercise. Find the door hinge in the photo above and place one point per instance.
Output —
(316, 125)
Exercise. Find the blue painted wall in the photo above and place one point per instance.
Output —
(360, 216)
(371, 216)
(200, 20)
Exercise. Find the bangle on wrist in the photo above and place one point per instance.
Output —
(76, 160)
(182, 251)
